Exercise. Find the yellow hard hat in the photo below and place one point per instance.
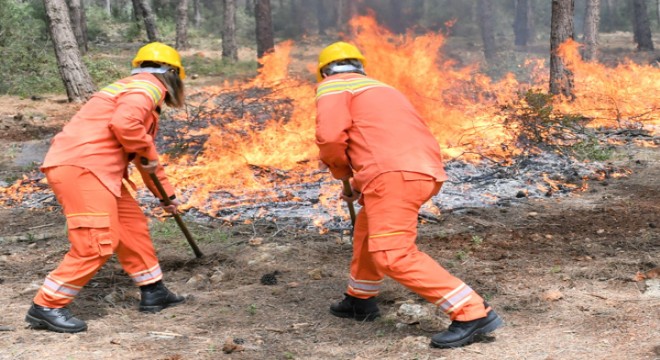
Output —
(338, 51)
(160, 53)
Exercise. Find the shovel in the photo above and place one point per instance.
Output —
(179, 221)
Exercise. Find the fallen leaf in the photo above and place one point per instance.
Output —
(552, 295)
(230, 346)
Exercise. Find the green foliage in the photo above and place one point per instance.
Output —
(166, 29)
(165, 230)
(439, 13)
(616, 18)
(462, 255)
(592, 149)
(213, 236)
(103, 71)
(134, 32)
(252, 309)
(97, 24)
(200, 65)
(245, 27)
(25, 53)
(541, 126)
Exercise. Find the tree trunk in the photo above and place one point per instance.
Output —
(149, 20)
(77, 15)
(295, 15)
(229, 47)
(591, 22)
(83, 25)
(264, 25)
(522, 24)
(487, 27)
(418, 11)
(197, 17)
(346, 10)
(108, 8)
(138, 17)
(323, 16)
(79, 85)
(303, 12)
(249, 7)
(642, 26)
(396, 17)
(137, 12)
(182, 25)
(561, 29)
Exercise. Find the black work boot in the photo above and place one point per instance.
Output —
(156, 297)
(462, 333)
(358, 309)
(54, 319)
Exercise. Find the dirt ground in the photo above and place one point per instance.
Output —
(561, 272)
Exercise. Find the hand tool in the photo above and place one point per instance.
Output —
(348, 191)
(177, 217)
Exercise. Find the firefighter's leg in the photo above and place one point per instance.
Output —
(89, 208)
(135, 251)
(392, 202)
(365, 280)
(137, 256)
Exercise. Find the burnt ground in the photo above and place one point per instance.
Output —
(560, 271)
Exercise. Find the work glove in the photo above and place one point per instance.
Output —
(354, 193)
(172, 208)
(149, 166)
(350, 199)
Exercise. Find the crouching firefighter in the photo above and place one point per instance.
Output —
(368, 132)
(86, 166)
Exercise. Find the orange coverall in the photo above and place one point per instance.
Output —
(85, 167)
(370, 130)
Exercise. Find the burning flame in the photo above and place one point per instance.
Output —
(258, 137)
(457, 103)
(623, 97)
(461, 106)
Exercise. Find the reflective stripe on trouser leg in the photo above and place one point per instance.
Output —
(365, 279)
(135, 251)
(420, 273)
(88, 207)
(392, 203)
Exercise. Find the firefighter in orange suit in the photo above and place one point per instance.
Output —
(367, 130)
(87, 169)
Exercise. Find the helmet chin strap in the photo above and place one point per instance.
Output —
(152, 70)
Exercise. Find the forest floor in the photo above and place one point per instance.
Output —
(573, 277)
(559, 271)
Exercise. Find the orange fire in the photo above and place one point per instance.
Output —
(461, 106)
(268, 154)
(626, 96)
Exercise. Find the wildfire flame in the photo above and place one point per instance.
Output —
(623, 97)
(461, 105)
